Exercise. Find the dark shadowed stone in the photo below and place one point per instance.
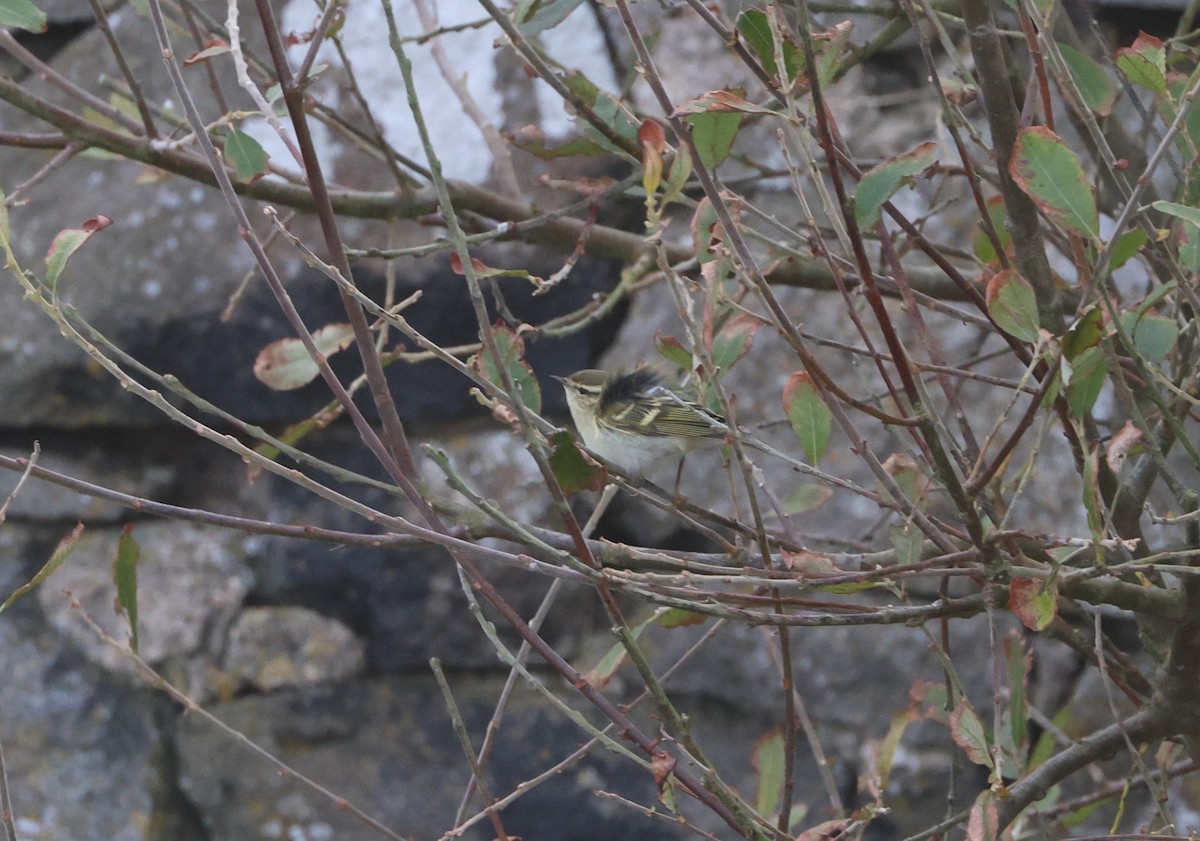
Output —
(388, 748)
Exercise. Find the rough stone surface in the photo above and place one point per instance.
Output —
(191, 582)
(273, 648)
(85, 754)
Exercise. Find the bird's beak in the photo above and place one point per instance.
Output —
(557, 377)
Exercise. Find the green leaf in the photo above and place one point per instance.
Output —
(673, 351)
(806, 498)
(1050, 174)
(1153, 335)
(1191, 215)
(733, 341)
(612, 113)
(286, 364)
(600, 674)
(1098, 90)
(534, 16)
(810, 418)
(984, 249)
(883, 181)
(704, 225)
(247, 156)
(768, 760)
(1084, 377)
(573, 471)
(512, 356)
(677, 617)
(1018, 663)
(1013, 305)
(1086, 332)
(1189, 249)
(60, 553)
(21, 14)
(755, 29)
(908, 541)
(886, 752)
(713, 133)
(125, 577)
(1127, 247)
(1144, 63)
(66, 243)
(1033, 602)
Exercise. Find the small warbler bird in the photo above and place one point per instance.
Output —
(632, 419)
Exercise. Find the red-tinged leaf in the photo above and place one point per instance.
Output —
(768, 761)
(248, 158)
(808, 563)
(60, 553)
(882, 182)
(125, 579)
(1097, 88)
(1050, 174)
(1118, 448)
(733, 341)
(67, 242)
(983, 824)
(661, 766)
(1034, 602)
(286, 364)
(723, 100)
(21, 14)
(1144, 63)
(810, 418)
(213, 48)
(1013, 305)
(825, 831)
(574, 471)
(673, 351)
(654, 141)
(477, 265)
(968, 732)
(512, 357)
(677, 617)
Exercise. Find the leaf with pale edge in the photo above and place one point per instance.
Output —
(1144, 63)
(1087, 373)
(968, 732)
(882, 182)
(511, 348)
(1050, 174)
(66, 243)
(768, 762)
(286, 364)
(1012, 304)
(60, 553)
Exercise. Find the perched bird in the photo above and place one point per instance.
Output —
(632, 419)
